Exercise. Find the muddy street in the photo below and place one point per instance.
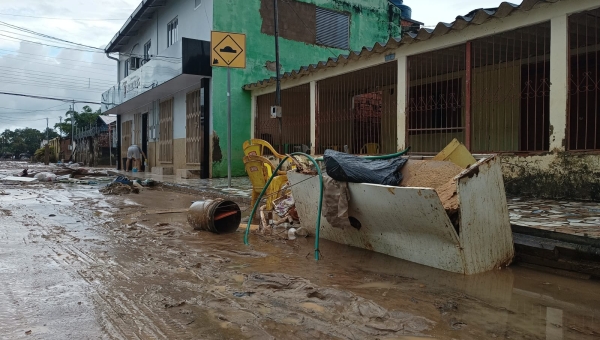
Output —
(76, 264)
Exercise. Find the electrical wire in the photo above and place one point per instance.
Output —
(35, 96)
(73, 67)
(47, 36)
(53, 18)
(57, 76)
(39, 43)
(60, 58)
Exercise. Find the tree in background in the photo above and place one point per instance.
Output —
(81, 120)
(23, 140)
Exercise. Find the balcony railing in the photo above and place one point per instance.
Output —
(187, 56)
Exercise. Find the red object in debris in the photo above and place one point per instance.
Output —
(224, 214)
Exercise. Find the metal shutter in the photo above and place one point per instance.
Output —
(333, 29)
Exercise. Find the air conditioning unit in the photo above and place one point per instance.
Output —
(134, 63)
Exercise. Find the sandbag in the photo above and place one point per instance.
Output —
(344, 167)
(45, 177)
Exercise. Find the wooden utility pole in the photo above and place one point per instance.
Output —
(47, 151)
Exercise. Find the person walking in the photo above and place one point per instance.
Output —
(134, 153)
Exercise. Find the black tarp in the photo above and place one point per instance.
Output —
(344, 167)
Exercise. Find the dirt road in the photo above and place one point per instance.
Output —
(75, 264)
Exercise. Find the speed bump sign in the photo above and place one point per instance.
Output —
(228, 49)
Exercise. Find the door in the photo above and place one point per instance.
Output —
(144, 137)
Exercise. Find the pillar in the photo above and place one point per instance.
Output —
(402, 93)
(559, 81)
(313, 117)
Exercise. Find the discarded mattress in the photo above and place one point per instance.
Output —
(411, 223)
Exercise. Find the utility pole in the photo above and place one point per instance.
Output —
(277, 72)
(72, 129)
(46, 152)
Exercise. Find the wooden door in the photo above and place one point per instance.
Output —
(165, 141)
(193, 128)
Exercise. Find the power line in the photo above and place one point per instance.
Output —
(34, 96)
(58, 66)
(60, 58)
(52, 87)
(39, 43)
(47, 36)
(57, 76)
(53, 18)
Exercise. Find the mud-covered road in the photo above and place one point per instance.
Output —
(75, 264)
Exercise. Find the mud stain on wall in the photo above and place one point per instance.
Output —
(217, 154)
(562, 175)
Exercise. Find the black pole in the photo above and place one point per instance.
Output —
(278, 87)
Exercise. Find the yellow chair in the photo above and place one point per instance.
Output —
(370, 149)
(259, 170)
(260, 145)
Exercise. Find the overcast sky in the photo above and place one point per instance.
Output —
(64, 73)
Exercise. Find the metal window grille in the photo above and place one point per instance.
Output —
(147, 47)
(584, 81)
(125, 136)
(510, 97)
(356, 112)
(193, 127)
(165, 141)
(333, 29)
(295, 106)
(172, 34)
(436, 99)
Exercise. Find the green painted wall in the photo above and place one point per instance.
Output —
(369, 24)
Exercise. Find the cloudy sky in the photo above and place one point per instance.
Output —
(29, 67)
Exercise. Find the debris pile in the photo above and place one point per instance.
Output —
(119, 188)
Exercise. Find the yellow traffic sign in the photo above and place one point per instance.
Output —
(228, 49)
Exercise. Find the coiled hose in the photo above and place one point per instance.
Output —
(318, 224)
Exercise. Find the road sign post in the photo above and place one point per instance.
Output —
(228, 50)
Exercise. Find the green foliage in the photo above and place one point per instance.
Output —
(40, 155)
(22, 140)
(81, 119)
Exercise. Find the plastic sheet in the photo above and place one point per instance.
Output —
(344, 167)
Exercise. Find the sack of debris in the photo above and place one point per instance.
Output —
(344, 167)
(45, 177)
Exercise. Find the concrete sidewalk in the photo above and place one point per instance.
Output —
(240, 191)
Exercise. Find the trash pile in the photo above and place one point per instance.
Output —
(61, 173)
(283, 220)
(123, 186)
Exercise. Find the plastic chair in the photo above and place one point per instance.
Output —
(261, 145)
(370, 149)
(259, 170)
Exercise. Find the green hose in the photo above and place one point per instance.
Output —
(318, 224)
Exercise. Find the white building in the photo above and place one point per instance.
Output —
(164, 59)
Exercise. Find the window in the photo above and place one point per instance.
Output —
(197, 3)
(435, 107)
(172, 32)
(147, 50)
(333, 29)
(126, 71)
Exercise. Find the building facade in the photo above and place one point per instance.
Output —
(518, 80)
(174, 105)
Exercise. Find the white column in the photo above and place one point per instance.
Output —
(252, 116)
(313, 117)
(559, 81)
(402, 93)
